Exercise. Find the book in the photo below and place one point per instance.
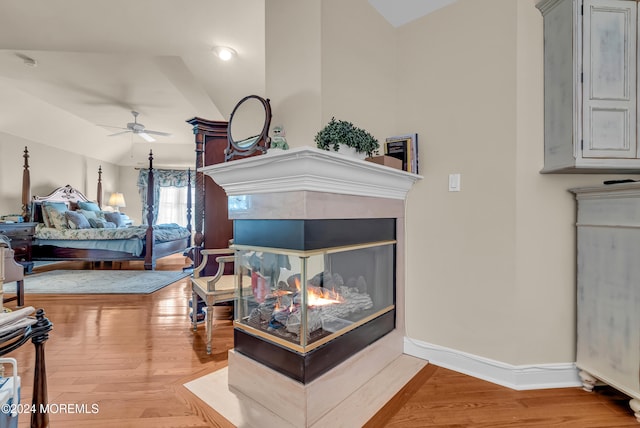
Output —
(405, 148)
(399, 150)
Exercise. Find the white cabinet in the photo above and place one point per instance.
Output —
(590, 86)
(608, 288)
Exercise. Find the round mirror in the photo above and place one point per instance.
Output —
(248, 128)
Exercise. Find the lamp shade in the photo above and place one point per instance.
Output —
(117, 200)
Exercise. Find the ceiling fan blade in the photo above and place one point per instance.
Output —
(111, 126)
(119, 133)
(146, 136)
(165, 134)
(137, 128)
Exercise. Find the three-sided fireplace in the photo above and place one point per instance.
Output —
(319, 322)
(321, 290)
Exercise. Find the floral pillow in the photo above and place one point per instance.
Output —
(60, 206)
(92, 215)
(57, 218)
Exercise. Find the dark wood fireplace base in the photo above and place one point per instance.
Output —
(305, 368)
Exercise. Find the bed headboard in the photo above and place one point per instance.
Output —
(66, 194)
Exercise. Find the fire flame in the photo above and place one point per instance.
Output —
(322, 297)
(316, 296)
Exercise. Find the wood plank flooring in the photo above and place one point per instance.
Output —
(131, 354)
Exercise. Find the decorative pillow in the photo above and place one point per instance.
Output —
(45, 217)
(60, 206)
(115, 218)
(89, 214)
(88, 206)
(96, 215)
(57, 218)
(76, 220)
(97, 223)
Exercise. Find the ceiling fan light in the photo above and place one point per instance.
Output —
(224, 53)
(147, 137)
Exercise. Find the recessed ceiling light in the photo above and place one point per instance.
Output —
(224, 53)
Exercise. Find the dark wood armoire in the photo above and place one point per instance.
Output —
(212, 227)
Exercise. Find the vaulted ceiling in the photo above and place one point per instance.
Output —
(96, 61)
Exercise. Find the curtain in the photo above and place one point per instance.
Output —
(172, 205)
(161, 178)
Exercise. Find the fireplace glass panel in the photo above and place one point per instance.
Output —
(304, 299)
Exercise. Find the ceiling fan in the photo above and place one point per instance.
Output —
(139, 129)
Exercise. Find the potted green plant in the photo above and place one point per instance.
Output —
(340, 132)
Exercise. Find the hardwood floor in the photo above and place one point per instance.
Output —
(131, 354)
(438, 397)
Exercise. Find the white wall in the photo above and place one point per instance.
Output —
(328, 59)
(491, 268)
(129, 187)
(293, 64)
(49, 168)
(358, 68)
(457, 90)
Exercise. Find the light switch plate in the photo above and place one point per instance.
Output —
(454, 182)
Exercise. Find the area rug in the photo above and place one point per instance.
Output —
(97, 282)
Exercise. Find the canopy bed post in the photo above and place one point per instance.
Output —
(26, 187)
(149, 263)
(189, 199)
(99, 191)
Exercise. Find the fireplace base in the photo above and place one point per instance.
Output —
(307, 367)
(353, 391)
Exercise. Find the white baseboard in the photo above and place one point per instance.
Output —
(524, 377)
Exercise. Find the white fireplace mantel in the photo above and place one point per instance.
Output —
(310, 169)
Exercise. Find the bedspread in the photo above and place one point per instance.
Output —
(161, 232)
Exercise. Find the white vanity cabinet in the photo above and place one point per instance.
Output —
(608, 287)
(590, 86)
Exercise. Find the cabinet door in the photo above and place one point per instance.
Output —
(608, 295)
(609, 79)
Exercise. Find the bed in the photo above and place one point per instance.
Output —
(70, 227)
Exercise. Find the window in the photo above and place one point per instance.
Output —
(172, 205)
(169, 195)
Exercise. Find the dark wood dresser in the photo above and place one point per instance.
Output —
(21, 235)
(213, 229)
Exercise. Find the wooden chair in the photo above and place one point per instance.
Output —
(212, 289)
(13, 271)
